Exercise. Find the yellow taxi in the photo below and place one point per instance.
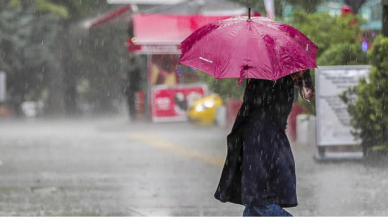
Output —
(203, 110)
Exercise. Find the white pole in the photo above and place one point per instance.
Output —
(3, 89)
(270, 9)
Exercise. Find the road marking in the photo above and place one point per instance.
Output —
(176, 149)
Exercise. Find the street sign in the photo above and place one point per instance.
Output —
(145, 2)
(333, 119)
(3, 89)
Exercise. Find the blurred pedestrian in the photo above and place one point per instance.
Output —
(133, 84)
(259, 170)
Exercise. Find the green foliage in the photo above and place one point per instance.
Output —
(258, 6)
(368, 102)
(310, 6)
(325, 30)
(337, 38)
(100, 60)
(343, 54)
(26, 40)
(80, 9)
(227, 88)
(379, 53)
(43, 6)
(42, 50)
(338, 54)
(47, 6)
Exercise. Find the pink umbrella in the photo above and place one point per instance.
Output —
(241, 47)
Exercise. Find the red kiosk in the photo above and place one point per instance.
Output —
(171, 88)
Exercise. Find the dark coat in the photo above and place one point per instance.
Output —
(259, 167)
(135, 80)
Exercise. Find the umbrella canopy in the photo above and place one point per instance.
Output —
(240, 47)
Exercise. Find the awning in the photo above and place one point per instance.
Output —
(163, 33)
(110, 17)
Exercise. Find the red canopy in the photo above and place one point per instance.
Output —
(109, 17)
(163, 33)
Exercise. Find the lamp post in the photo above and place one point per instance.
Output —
(384, 4)
(3, 89)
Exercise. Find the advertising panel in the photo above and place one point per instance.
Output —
(333, 119)
(169, 103)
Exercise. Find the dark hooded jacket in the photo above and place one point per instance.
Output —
(259, 167)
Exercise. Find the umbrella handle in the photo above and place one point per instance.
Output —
(242, 73)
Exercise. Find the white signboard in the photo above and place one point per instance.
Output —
(148, 2)
(333, 119)
(3, 89)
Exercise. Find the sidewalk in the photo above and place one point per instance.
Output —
(112, 167)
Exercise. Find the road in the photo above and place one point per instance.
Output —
(107, 166)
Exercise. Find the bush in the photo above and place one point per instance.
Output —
(326, 30)
(227, 88)
(338, 40)
(339, 54)
(369, 111)
(343, 54)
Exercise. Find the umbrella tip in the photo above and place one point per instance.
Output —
(249, 13)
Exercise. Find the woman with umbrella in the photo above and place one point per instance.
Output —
(265, 180)
(259, 170)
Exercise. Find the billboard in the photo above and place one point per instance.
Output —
(333, 119)
(171, 103)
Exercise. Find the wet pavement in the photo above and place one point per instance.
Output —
(108, 166)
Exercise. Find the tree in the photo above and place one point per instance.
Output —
(343, 54)
(326, 30)
(355, 4)
(258, 6)
(310, 6)
(27, 36)
(337, 38)
(68, 60)
(101, 59)
(227, 88)
(71, 36)
(385, 18)
(367, 102)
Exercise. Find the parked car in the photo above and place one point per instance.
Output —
(203, 110)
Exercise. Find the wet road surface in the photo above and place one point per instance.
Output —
(112, 167)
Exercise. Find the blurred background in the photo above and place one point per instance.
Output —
(97, 117)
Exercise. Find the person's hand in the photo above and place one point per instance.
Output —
(307, 94)
(306, 88)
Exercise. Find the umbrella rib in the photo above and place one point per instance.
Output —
(217, 31)
(222, 31)
(300, 34)
(221, 26)
(233, 45)
(302, 48)
(258, 32)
